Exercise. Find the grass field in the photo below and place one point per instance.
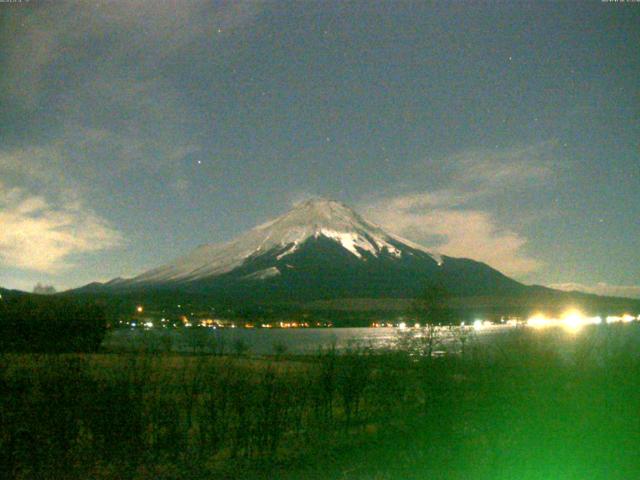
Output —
(532, 405)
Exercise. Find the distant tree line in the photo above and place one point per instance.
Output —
(41, 289)
(31, 323)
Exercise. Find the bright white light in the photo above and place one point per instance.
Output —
(477, 325)
(626, 318)
(402, 325)
(573, 320)
(148, 324)
(538, 321)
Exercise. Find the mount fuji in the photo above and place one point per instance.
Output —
(320, 250)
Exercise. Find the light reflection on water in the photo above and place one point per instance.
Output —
(292, 341)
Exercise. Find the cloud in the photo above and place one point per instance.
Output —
(61, 167)
(107, 149)
(107, 71)
(95, 100)
(448, 219)
(516, 167)
(139, 36)
(601, 288)
(37, 235)
(458, 233)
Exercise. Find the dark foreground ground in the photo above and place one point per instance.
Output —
(533, 405)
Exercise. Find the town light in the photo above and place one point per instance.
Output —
(573, 320)
(538, 321)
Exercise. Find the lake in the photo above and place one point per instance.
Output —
(265, 341)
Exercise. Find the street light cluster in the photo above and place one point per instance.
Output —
(573, 320)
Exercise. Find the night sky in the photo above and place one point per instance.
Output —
(132, 132)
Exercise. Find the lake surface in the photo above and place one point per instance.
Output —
(269, 341)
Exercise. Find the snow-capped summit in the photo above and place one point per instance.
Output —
(309, 219)
(331, 219)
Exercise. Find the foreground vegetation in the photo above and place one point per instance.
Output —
(46, 324)
(531, 405)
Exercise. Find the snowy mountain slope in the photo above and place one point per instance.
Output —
(310, 219)
(321, 249)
